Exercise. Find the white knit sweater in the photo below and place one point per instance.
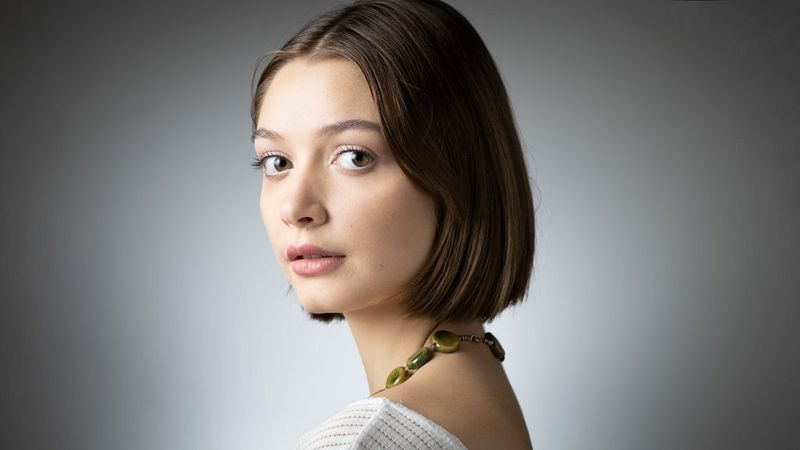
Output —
(378, 423)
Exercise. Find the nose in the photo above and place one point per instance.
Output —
(302, 205)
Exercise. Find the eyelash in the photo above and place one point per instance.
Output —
(258, 162)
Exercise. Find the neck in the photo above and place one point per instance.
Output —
(385, 339)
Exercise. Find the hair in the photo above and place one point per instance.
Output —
(447, 118)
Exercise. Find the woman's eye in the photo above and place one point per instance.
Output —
(355, 159)
(275, 164)
(350, 159)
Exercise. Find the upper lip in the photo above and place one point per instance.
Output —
(299, 251)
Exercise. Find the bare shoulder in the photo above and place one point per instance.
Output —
(483, 413)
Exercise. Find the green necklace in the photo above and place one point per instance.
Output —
(444, 342)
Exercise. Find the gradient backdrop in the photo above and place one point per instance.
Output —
(142, 307)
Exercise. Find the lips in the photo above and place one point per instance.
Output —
(309, 251)
(311, 260)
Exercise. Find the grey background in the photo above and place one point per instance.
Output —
(142, 307)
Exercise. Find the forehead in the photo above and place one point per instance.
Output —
(304, 94)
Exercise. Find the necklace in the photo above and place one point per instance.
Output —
(444, 341)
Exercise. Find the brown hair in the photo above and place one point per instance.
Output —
(446, 116)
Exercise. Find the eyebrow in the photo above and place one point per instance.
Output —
(327, 130)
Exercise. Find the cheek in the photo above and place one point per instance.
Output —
(270, 216)
(398, 223)
(265, 207)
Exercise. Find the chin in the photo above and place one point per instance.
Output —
(337, 298)
(315, 304)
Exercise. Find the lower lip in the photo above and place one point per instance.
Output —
(316, 266)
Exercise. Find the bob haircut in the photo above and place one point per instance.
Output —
(445, 115)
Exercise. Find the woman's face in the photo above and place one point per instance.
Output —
(330, 180)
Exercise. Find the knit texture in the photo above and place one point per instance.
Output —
(378, 423)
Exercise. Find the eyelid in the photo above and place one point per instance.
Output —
(260, 160)
(353, 148)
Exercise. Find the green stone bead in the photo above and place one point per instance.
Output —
(419, 359)
(495, 347)
(397, 376)
(446, 341)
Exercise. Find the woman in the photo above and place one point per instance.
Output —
(395, 196)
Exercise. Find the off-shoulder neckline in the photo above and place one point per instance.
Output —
(408, 411)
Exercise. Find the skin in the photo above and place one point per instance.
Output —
(363, 206)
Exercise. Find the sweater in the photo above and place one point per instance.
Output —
(378, 423)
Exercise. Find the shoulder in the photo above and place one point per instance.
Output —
(482, 414)
(378, 423)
